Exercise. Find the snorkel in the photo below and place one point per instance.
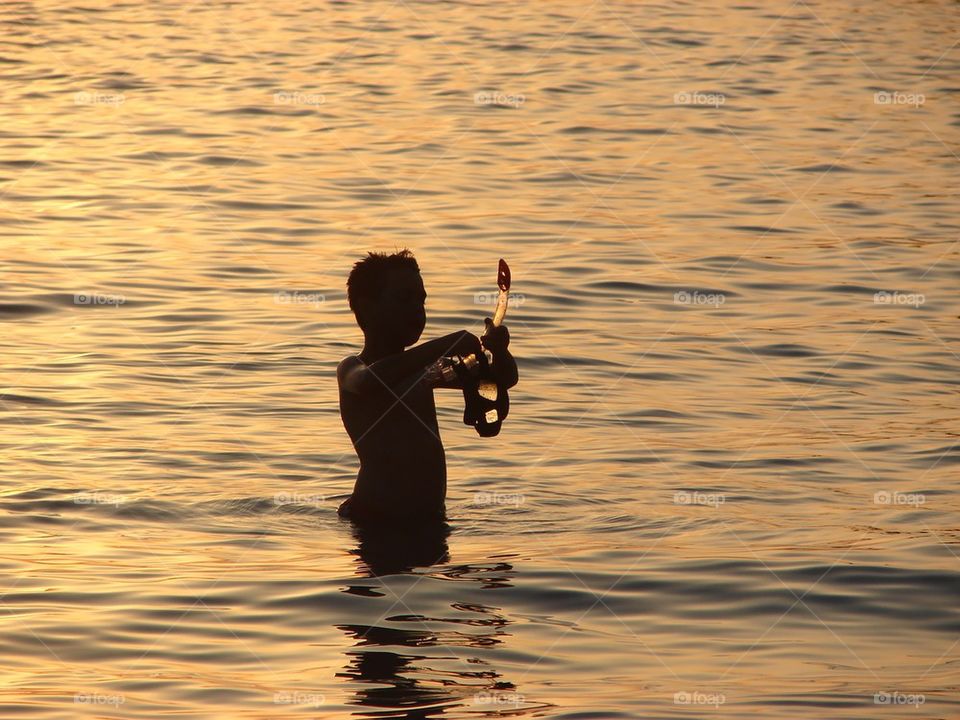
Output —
(486, 403)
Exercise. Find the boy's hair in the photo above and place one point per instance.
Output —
(369, 275)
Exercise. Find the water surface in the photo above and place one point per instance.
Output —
(727, 485)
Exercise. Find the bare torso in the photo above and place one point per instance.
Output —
(402, 462)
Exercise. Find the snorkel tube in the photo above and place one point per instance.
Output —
(485, 403)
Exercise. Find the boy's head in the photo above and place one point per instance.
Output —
(387, 297)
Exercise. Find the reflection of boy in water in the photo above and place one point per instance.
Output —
(395, 663)
(389, 550)
(386, 405)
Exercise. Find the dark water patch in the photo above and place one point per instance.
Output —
(776, 286)
(359, 182)
(230, 456)
(847, 289)
(260, 206)
(626, 286)
(727, 263)
(14, 310)
(577, 270)
(756, 91)
(562, 178)
(765, 230)
(111, 299)
(31, 400)
(63, 598)
(153, 155)
(374, 88)
(567, 361)
(45, 507)
(754, 200)
(686, 42)
(658, 377)
(782, 462)
(122, 81)
(823, 168)
(885, 447)
(945, 455)
(42, 492)
(245, 506)
(571, 88)
(227, 161)
(256, 110)
(658, 413)
(858, 208)
(778, 350)
(512, 47)
(22, 164)
(591, 130)
(430, 147)
(187, 317)
(208, 59)
(814, 379)
(147, 509)
(181, 132)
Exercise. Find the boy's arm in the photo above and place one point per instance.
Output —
(504, 367)
(388, 371)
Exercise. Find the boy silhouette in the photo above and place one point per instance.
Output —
(386, 396)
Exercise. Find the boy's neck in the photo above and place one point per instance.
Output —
(374, 350)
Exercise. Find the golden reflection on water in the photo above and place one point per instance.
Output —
(732, 230)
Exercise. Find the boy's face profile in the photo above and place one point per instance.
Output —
(398, 314)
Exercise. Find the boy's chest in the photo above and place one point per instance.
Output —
(402, 403)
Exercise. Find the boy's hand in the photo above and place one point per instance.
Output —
(466, 343)
(496, 338)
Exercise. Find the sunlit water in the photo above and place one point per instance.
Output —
(727, 485)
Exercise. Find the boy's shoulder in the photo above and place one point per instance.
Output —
(347, 363)
(344, 369)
